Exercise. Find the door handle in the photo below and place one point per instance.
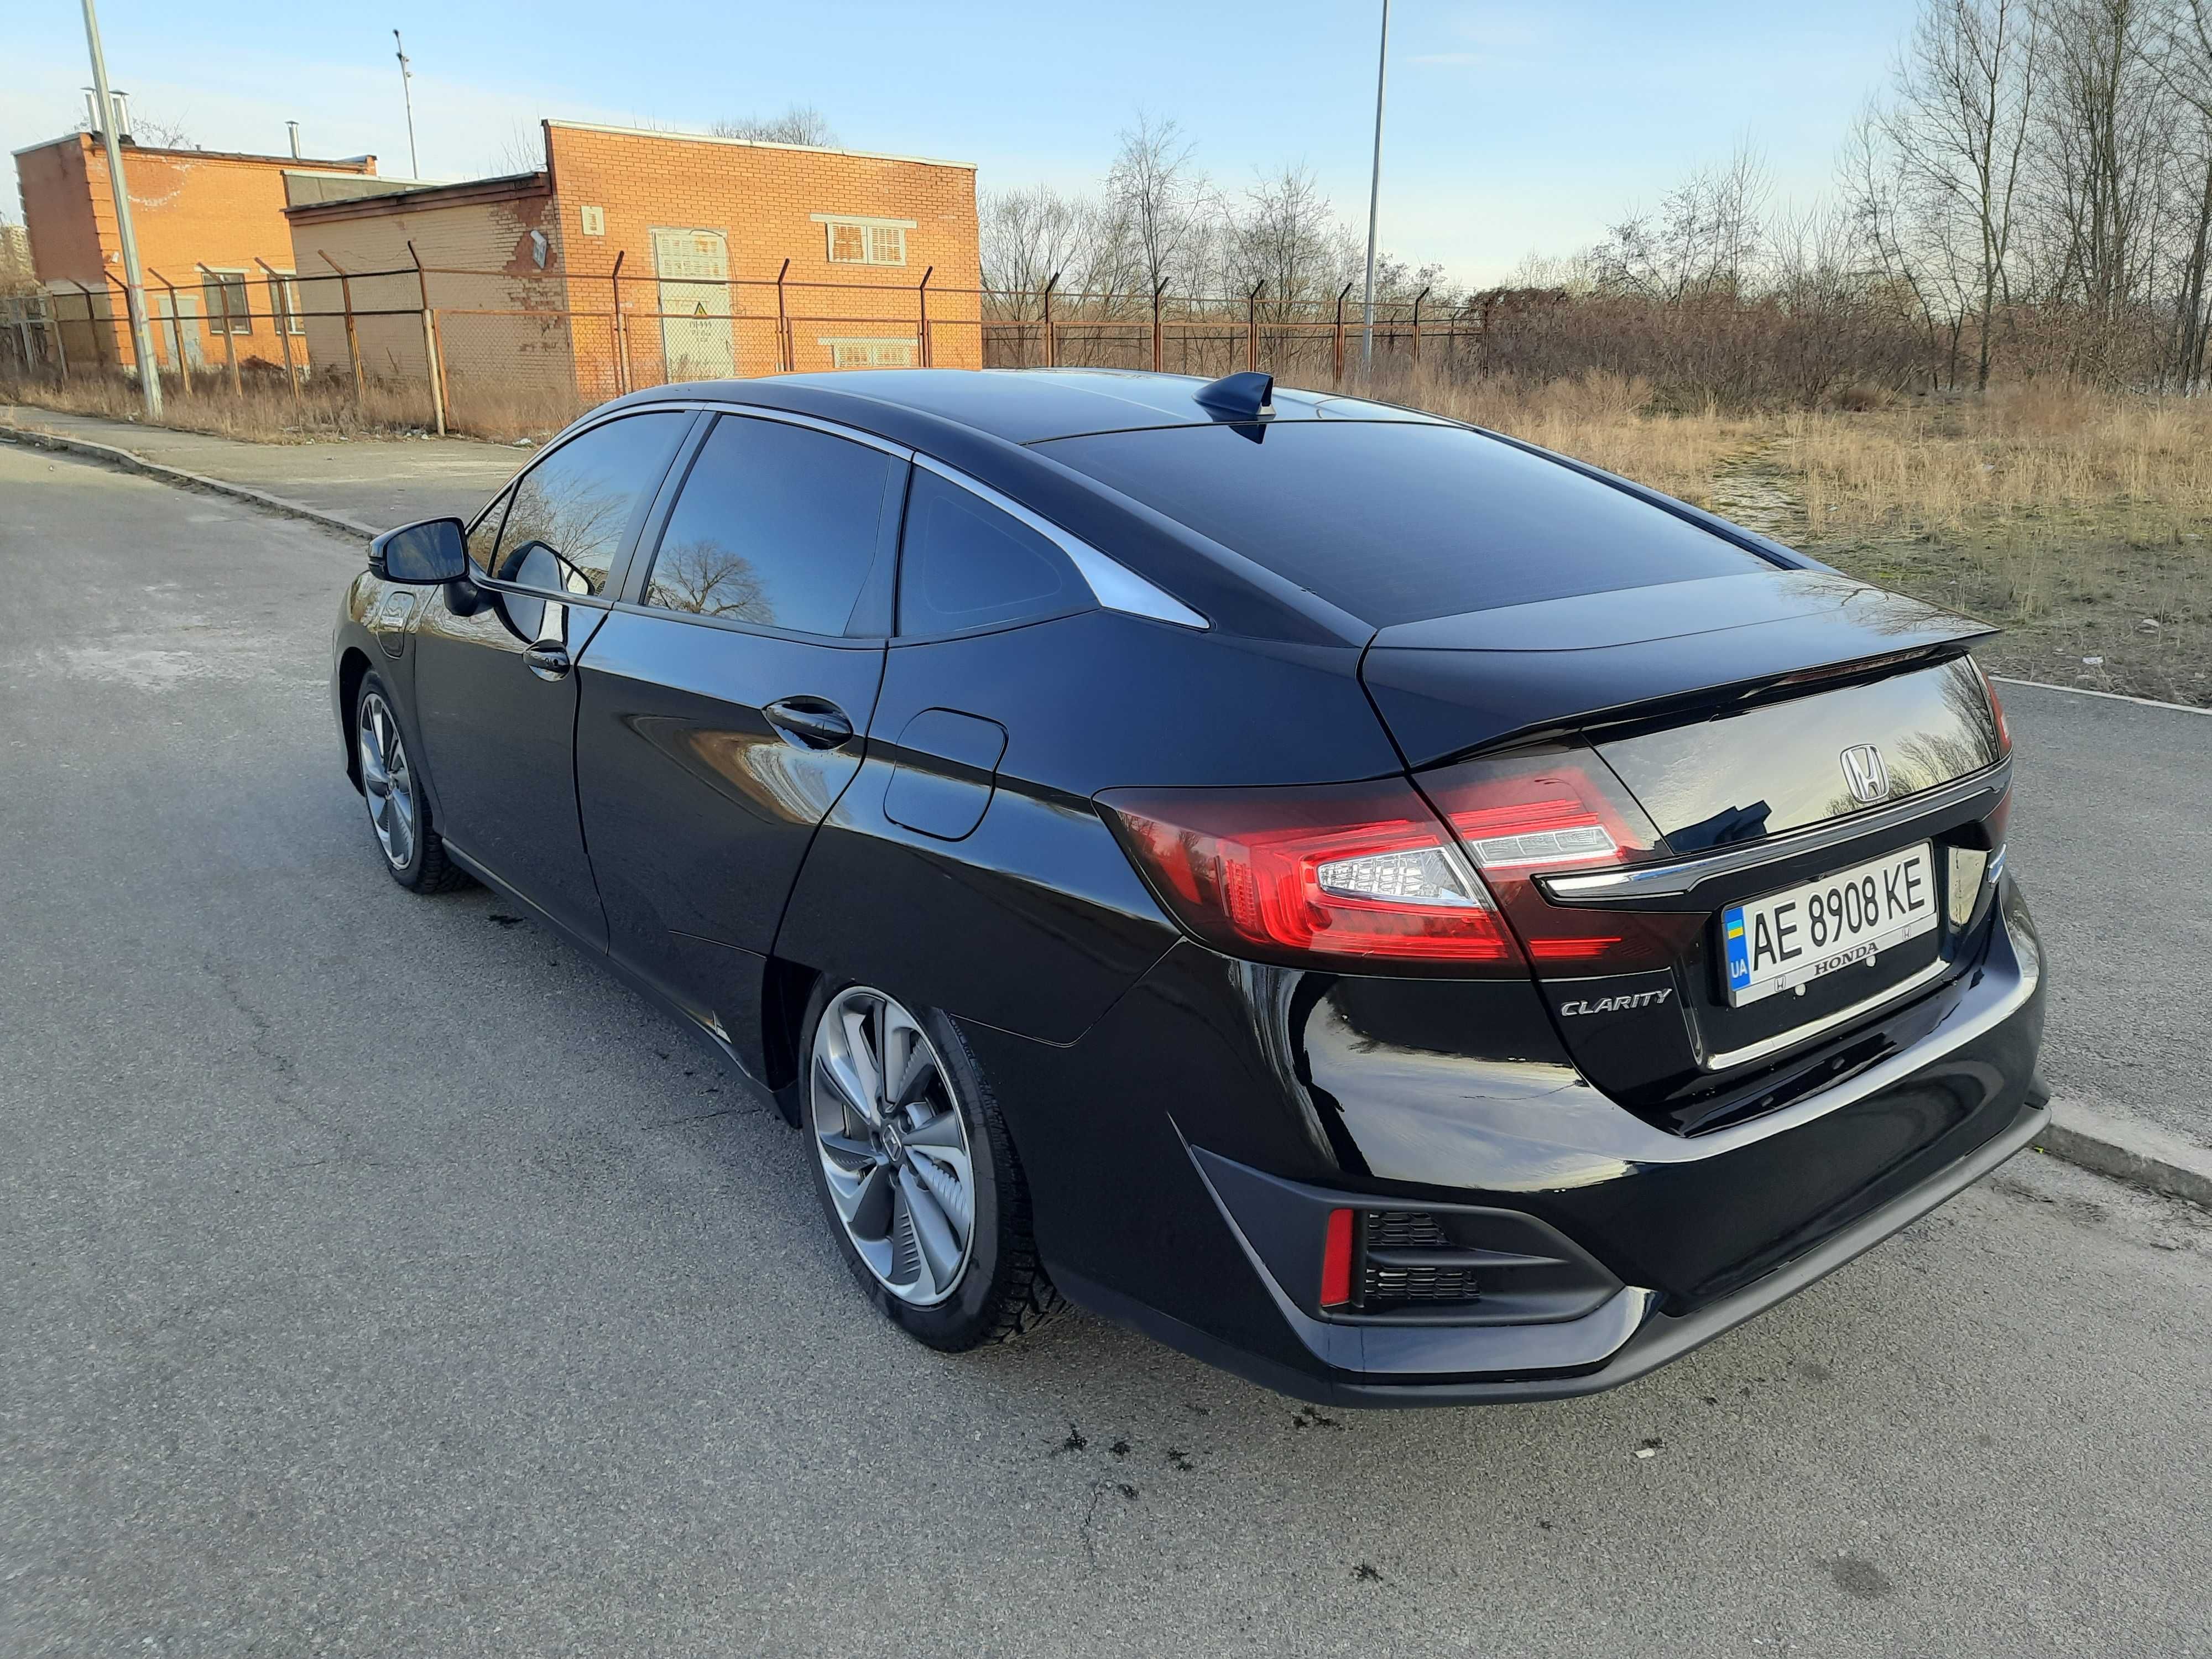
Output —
(547, 661)
(810, 722)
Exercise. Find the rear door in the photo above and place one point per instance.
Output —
(494, 685)
(725, 701)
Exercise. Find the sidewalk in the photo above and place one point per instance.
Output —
(377, 481)
(2129, 1075)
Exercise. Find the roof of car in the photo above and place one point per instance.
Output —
(1029, 405)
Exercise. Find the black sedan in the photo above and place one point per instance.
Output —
(1397, 912)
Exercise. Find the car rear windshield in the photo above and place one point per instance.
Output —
(1398, 522)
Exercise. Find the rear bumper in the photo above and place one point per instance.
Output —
(1175, 1194)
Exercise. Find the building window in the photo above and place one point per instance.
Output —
(284, 303)
(855, 242)
(226, 300)
(869, 353)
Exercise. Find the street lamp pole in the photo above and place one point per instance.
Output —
(134, 292)
(407, 92)
(1374, 198)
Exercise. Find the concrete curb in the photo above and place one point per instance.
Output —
(2140, 1154)
(109, 455)
(2134, 1152)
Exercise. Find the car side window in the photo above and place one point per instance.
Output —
(483, 534)
(777, 524)
(965, 564)
(572, 512)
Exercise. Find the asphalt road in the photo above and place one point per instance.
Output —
(380, 1277)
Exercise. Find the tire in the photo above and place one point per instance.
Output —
(399, 822)
(890, 1187)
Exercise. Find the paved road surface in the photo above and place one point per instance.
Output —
(380, 1277)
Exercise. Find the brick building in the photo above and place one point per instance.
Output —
(691, 232)
(214, 246)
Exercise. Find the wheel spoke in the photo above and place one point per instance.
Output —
(863, 1199)
(867, 1070)
(923, 1286)
(940, 1246)
(851, 1094)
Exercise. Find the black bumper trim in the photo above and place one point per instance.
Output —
(1662, 1337)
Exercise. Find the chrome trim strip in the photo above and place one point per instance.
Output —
(1806, 1033)
(1113, 585)
(1672, 880)
(762, 412)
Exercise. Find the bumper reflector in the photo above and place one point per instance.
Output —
(1336, 1261)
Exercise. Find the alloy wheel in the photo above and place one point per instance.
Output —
(894, 1146)
(387, 780)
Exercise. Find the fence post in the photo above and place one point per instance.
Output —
(1252, 325)
(433, 355)
(353, 339)
(622, 335)
(783, 352)
(921, 293)
(1051, 342)
(106, 279)
(1158, 339)
(92, 326)
(229, 343)
(1339, 364)
(1417, 298)
(281, 316)
(182, 366)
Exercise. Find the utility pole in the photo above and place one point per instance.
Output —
(407, 92)
(134, 294)
(1374, 198)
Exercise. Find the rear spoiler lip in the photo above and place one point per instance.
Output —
(1625, 718)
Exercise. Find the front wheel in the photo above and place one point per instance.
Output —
(398, 814)
(917, 1173)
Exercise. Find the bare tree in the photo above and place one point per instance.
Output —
(1704, 241)
(1288, 242)
(1963, 92)
(2180, 54)
(1158, 234)
(1031, 236)
(801, 123)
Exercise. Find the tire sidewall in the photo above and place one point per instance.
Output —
(971, 1312)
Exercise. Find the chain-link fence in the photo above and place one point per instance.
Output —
(505, 354)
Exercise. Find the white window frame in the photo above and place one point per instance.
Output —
(218, 314)
(883, 242)
(284, 301)
(869, 350)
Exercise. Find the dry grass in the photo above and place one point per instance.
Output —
(264, 412)
(1594, 417)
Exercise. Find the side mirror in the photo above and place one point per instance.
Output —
(434, 550)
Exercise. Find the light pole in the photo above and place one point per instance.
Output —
(1374, 197)
(134, 294)
(407, 92)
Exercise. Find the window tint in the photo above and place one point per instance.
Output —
(1396, 521)
(965, 564)
(777, 524)
(578, 503)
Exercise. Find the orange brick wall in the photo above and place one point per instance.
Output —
(761, 196)
(188, 207)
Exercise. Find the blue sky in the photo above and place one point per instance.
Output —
(1514, 127)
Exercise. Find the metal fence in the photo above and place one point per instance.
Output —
(511, 351)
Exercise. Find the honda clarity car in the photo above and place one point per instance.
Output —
(1399, 913)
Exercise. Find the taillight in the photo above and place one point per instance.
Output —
(1554, 810)
(1344, 872)
(1996, 709)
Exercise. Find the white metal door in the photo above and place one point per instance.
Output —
(694, 266)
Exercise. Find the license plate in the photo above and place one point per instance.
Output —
(1791, 937)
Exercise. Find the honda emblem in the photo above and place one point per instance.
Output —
(1864, 771)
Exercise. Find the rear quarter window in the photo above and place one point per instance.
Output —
(1395, 521)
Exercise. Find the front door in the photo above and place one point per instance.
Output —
(694, 268)
(495, 680)
(724, 713)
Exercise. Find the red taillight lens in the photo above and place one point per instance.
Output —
(1996, 708)
(1336, 1261)
(1556, 810)
(1342, 871)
